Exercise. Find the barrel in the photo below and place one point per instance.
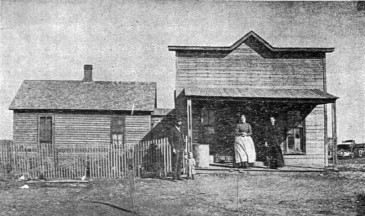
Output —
(201, 155)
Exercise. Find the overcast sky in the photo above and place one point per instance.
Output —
(127, 41)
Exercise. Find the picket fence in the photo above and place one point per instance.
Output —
(93, 161)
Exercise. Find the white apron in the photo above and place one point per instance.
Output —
(244, 149)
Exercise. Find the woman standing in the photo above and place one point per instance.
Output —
(273, 138)
(245, 153)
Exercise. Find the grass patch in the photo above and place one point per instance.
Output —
(244, 194)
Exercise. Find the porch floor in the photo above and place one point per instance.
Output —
(259, 166)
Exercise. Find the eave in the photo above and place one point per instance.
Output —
(240, 41)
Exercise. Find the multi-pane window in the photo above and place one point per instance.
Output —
(208, 117)
(295, 140)
(45, 134)
(117, 131)
(45, 129)
(208, 124)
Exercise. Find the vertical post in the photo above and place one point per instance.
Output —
(108, 164)
(325, 136)
(74, 175)
(325, 113)
(118, 160)
(93, 161)
(190, 122)
(46, 160)
(77, 155)
(334, 134)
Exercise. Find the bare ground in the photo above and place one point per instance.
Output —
(247, 193)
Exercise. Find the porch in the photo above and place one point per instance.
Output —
(212, 113)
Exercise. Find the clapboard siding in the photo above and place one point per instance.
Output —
(137, 128)
(315, 130)
(25, 129)
(72, 129)
(81, 129)
(244, 66)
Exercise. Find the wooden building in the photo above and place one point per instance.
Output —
(214, 85)
(64, 113)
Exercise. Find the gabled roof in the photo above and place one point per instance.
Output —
(313, 95)
(77, 95)
(243, 39)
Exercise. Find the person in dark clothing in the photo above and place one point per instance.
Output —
(176, 140)
(273, 136)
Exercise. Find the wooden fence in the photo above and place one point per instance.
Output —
(93, 161)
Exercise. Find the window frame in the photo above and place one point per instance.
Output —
(301, 125)
(211, 121)
(39, 142)
(113, 131)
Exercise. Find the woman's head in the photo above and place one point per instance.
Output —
(243, 118)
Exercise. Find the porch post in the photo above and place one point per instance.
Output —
(325, 136)
(190, 122)
(334, 135)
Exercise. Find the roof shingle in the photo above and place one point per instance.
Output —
(77, 95)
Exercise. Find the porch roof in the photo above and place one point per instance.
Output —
(265, 94)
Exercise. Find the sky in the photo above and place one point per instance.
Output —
(127, 41)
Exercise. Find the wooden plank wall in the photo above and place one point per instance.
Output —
(161, 126)
(25, 129)
(78, 129)
(137, 128)
(81, 129)
(245, 68)
(314, 141)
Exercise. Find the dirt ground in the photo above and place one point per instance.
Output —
(248, 193)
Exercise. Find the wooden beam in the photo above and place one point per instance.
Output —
(189, 111)
(276, 100)
(325, 136)
(325, 114)
(334, 134)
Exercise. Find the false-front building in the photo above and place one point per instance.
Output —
(215, 85)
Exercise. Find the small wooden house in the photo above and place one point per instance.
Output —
(214, 85)
(64, 113)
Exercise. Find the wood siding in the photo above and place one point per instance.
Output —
(25, 129)
(137, 128)
(245, 68)
(315, 144)
(78, 129)
(161, 126)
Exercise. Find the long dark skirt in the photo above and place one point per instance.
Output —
(275, 157)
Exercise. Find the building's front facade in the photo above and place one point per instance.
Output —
(214, 85)
(66, 114)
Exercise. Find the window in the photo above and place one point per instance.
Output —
(45, 134)
(117, 131)
(295, 140)
(208, 124)
(45, 129)
(208, 117)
